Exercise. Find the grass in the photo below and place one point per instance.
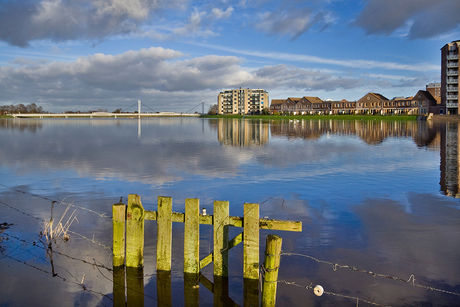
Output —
(322, 117)
(6, 116)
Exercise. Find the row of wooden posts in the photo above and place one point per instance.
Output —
(128, 238)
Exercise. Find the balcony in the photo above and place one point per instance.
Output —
(452, 57)
(452, 81)
(452, 105)
(452, 65)
(452, 89)
(452, 97)
(452, 72)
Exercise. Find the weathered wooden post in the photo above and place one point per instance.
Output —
(135, 232)
(192, 236)
(164, 293)
(220, 222)
(251, 241)
(164, 233)
(135, 286)
(271, 266)
(119, 299)
(118, 220)
(191, 290)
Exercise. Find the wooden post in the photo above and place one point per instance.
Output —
(220, 222)
(192, 236)
(119, 299)
(271, 266)
(118, 220)
(135, 232)
(164, 293)
(135, 286)
(251, 241)
(191, 290)
(164, 233)
(250, 292)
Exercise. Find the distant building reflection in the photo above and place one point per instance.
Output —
(242, 133)
(450, 162)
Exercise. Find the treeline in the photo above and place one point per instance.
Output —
(20, 108)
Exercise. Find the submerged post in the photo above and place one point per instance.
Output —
(192, 236)
(271, 266)
(118, 220)
(251, 241)
(164, 233)
(135, 232)
(221, 221)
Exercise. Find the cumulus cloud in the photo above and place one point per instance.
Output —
(167, 76)
(424, 18)
(58, 20)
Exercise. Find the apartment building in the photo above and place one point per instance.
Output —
(243, 101)
(449, 76)
(435, 90)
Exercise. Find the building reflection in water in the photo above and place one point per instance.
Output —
(242, 133)
(443, 137)
(450, 159)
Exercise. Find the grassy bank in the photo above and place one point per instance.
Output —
(322, 117)
(6, 116)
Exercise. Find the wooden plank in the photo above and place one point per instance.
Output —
(280, 225)
(271, 267)
(235, 221)
(150, 215)
(206, 260)
(118, 228)
(192, 236)
(251, 241)
(134, 232)
(164, 233)
(235, 241)
(221, 219)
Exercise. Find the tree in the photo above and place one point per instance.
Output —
(117, 110)
(213, 110)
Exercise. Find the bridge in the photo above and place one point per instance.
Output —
(105, 114)
(135, 114)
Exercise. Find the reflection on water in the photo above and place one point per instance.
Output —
(371, 195)
(244, 133)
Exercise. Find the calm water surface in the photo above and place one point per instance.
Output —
(375, 196)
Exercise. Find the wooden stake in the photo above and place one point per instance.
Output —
(221, 219)
(192, 236)
(118, 219)
(271, 266)
(134, 232)
(164, 233)
(251, 241)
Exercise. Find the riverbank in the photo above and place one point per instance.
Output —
(322, 117)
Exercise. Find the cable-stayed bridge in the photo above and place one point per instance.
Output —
(117, 114)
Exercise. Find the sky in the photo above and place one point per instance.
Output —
(177, 55)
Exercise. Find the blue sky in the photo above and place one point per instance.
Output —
(174, 54)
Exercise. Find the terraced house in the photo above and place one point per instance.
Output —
(371, 103)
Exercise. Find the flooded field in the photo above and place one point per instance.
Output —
(377, 202)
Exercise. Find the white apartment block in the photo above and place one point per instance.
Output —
(243, 101)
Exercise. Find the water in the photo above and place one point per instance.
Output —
(375, 196)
